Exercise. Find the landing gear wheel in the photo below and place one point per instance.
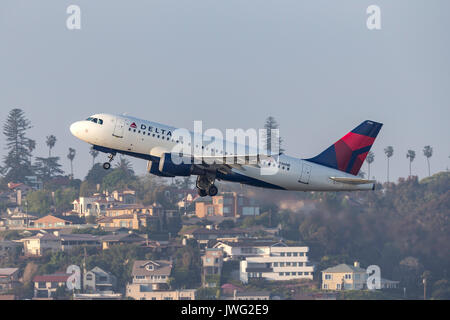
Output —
(106, 165)
(202, 193)
(212, 191)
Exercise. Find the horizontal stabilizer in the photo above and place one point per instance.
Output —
(352, 180)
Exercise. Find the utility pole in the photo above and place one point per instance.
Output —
(424, 288)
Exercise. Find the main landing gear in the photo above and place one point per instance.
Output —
(107, 165)
(205, 186)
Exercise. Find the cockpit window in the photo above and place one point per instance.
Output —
(95, 120)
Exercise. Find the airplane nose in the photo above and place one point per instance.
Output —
(75, 129)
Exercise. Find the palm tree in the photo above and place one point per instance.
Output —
(370, 158)
(31, 146)
(125, 166)
(94, 154)
(389, 151)
(51, 141)
(71, 156)
(411, 154)
(428, 152)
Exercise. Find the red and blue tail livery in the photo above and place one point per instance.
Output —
(349, 152)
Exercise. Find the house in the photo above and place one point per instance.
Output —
(122, 238)
(9, 278)
(278, 262)
(204, 235)
(54, 222)
(226, 204)
(7, 247)
(71, 241)
(130, 221)
(348, 277)
(129, 209)
(237, 250)
(251, 295)
(212, 262)
(41, 243)
(152, 274)
(99, 281)
(344, 277)
(18, 220)
(45, 286)
(19, 192)
(97, 204)
(150, 282)
(135, 292)
(126, 196)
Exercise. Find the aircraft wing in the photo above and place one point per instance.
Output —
(225, 162)
(352, 180)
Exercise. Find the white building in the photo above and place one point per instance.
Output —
(278, 262)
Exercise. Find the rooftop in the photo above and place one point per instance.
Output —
(161, 267)
(343, 268)
(7, 271)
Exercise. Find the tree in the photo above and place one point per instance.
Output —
(51, 141)
(94, 153)
(96, 174)
(370, 158)
(71, 156)
(271, 124)
(39, 202)
(125, 166)
(31, 146)
(428, 152)
(47, 168)
(411, 154)
(17, 162)
(389, 151)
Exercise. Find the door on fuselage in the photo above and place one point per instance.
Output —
(119, 128)
(306, 173)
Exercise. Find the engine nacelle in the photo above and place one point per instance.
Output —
(166, 166)
(153, 168)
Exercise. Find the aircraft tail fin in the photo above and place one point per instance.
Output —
(349, 152)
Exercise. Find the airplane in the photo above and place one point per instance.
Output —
(335, 169)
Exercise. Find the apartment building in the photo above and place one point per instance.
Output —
(243, 248)
(226, 204)
(278, 262)
(212, 262)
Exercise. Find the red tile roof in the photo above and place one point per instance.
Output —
(57, 277)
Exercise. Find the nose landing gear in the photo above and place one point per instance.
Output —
(107, 165)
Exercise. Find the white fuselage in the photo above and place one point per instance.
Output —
(116, 133)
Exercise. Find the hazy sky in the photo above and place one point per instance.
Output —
(313, 65)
